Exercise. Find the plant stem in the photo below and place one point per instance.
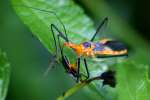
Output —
(76, 88)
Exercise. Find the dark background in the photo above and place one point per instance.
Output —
(29, 59)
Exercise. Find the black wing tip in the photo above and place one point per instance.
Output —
(111, 56)
(116, 45)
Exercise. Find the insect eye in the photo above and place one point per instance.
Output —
(86, 44)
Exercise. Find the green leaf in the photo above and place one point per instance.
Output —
(133, 82)
(79, 28)
(78, 25)
(39, 21)
(4, 75)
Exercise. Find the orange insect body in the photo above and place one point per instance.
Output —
(102, 48)
(80, 49)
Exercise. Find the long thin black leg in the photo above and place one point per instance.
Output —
(86, 67)
(105, 20)
(65, 61)
(78, 69)
(54, 60)
(60, 33)
(54, 39)
(60, 47)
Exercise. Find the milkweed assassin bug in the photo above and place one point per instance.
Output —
(102, 49)
(94, 49)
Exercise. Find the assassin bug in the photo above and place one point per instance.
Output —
(100, 49)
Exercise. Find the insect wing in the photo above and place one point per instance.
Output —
(111, 48)
(115, 45)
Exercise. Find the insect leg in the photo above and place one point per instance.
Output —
(65, 61)
(86, 67)
(105, 20)
(54, 60)
(55, 57)
(78, 69)
(58, 37)
(54, 39)
(60, 33)
(49, 12)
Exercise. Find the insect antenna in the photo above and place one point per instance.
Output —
(52, 26)
(50, 12)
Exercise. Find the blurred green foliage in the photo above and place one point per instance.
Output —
(4, 75)
(27, 55)
(133, 81)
